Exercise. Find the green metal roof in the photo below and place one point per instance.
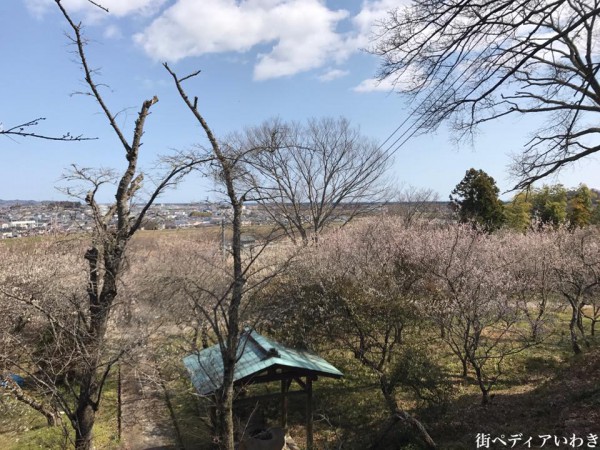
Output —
(256, 354)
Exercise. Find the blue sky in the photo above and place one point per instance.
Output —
(293, 59)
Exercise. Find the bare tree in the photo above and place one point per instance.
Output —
(226, 312)
(532, 272)
(197, 279)
(18, 327)
(414, 204)
(85, 344)
(230, 303)
(474, 300)
(42, 286)
(577, 272)
(313, 174)
(473, 62)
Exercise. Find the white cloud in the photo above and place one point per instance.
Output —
(112, 32)
(372, 12)
(117, 8)
(291, 36)
(37, 7)
(307, 40)
(332, 74)
(374, 85)
(299, 35)
(302, 33)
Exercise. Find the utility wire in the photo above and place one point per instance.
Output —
(415, 126)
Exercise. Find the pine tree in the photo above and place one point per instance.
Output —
(476, 200)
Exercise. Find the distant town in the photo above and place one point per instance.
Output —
(31, 218)
(24, 218)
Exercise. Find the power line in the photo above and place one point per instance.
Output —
(415, 126)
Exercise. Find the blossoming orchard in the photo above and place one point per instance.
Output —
(201, 282)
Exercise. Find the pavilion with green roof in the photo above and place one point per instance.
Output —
(262, 360)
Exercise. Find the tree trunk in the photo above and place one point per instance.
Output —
(204, 336)
(224, 417)
(85, 417)
(573, 329)
(580, 325)
(232, 339)
(119, 403)
(228, 428)
(485, 391)
(465, 368)
(399, 414)
(535, 332)
(485, 397)
(101, 297)
(303, 235)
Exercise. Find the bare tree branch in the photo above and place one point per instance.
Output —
(468, 63)
(23, 130)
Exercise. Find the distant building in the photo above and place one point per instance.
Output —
(23, 224)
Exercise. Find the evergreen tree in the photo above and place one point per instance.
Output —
(595, 217)
(476, 200)
(580, 207)
(518, 212)
(549, 204)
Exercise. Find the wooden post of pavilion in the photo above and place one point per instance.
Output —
(285, 386)
(309, 414)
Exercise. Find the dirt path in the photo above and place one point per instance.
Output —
(146, 421)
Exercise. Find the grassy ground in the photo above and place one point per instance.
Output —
(545, 390)
(23, 428)
(534, 398)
